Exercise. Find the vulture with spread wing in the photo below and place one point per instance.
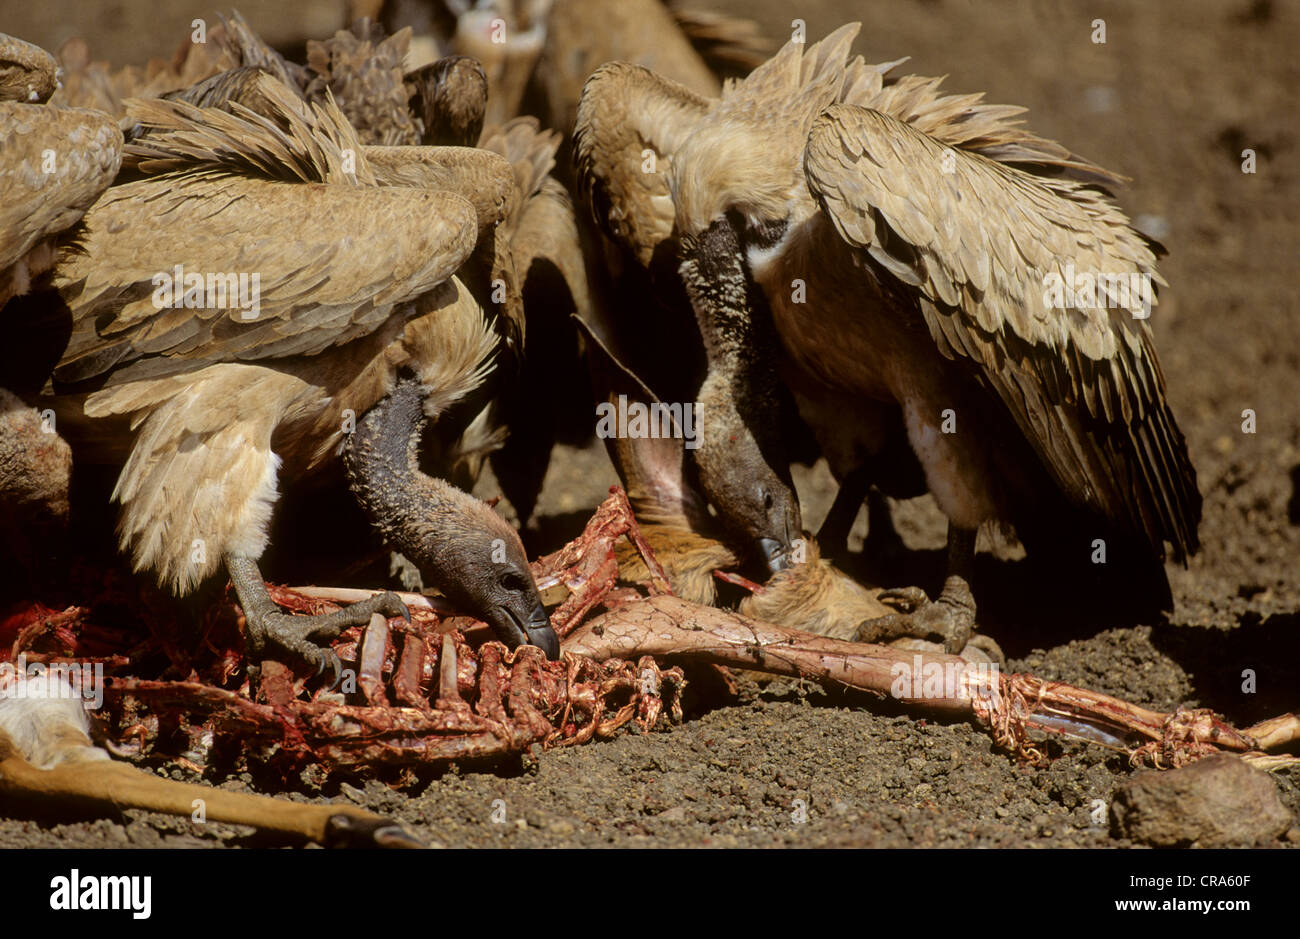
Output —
(923, 273)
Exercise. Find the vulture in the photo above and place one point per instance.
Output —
(210, 388)
(54, 162)
(906, 263)
(693, 48)
(637, 327)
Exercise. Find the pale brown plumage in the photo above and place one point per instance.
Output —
(449, 98)
(27, 72)
(216, 403)
(541, 402)
(643, 32)
(1085, 388)
(877, 195)
(363, 70)
(231, 44)
(54, 162)
(731, 45)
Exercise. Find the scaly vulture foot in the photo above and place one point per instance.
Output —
(951, 618)
(300, 636)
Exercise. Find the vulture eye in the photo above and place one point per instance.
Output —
(513, 580)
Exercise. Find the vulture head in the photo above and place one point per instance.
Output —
(740, 457)
(476, 559)
(460, 545)
(450, 96)
(27, 73)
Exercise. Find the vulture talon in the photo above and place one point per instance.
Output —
(329, 661)
(299, 635)
(951, 618)
(904, 599)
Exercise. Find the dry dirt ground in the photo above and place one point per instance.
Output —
(1172, 98)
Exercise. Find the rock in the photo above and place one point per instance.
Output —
(1218, 801)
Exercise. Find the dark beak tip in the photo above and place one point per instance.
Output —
(545, 639)
(514, 630)
(775, 553)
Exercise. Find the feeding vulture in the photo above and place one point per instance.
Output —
(900, 257)
(357, 319)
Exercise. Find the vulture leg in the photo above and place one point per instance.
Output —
(883, 541)
(833, 536)
(293, 633)
(882, 538)
(952, 616)
(459, 544)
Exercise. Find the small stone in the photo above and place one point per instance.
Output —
(676, 814)
(1218, 801)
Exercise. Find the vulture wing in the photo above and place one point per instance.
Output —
(287, 197)
(331, 262)
(986, 251)
(626, 111)
(53, 164)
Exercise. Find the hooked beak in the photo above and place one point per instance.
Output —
(775, 553)
(535, 631)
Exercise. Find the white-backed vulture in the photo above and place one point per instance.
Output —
(894, 248)
(357, 318)
(54, 162)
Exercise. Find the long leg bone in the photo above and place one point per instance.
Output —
(1008, 705)
(46, 757)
